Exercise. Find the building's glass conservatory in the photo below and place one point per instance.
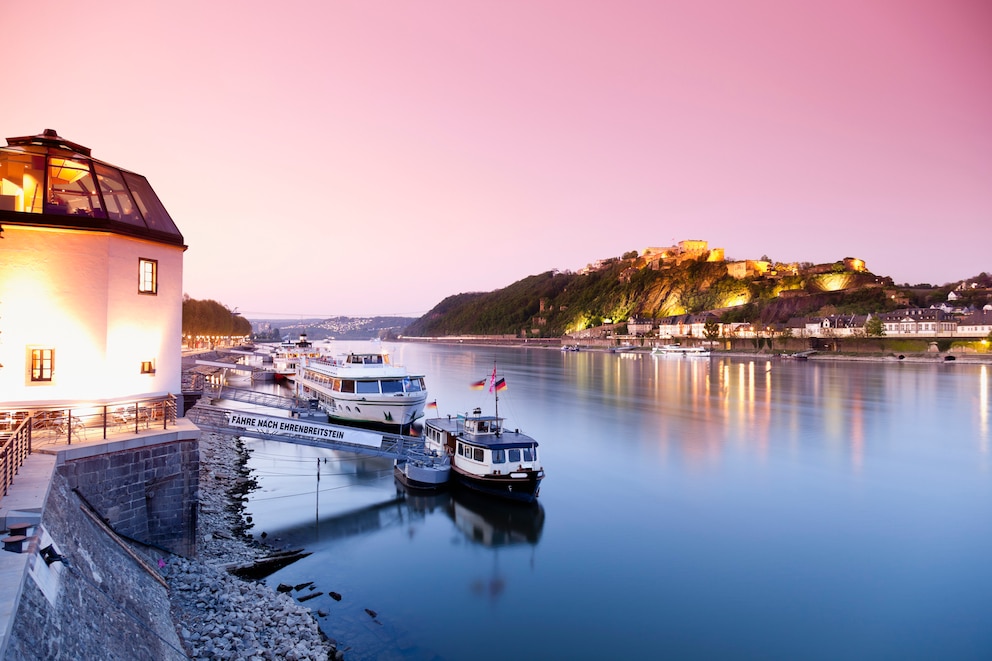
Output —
(48, 175)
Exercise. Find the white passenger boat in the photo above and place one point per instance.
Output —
(364, 389)
(485, 456)
(286, 357)
(679, 350)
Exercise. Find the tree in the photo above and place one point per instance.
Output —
(711, 329)
(874, 327)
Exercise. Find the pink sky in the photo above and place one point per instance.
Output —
(364, 158)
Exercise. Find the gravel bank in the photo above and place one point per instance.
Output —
(220, 616)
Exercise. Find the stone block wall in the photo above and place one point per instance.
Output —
(148, 494)
(96, 602)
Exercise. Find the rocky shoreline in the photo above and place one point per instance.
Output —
(218, 615)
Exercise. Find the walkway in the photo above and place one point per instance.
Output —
(25, 500)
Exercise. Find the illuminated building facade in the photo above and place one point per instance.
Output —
(90, 279)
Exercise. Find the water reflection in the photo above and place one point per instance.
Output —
(484, 521)
(798, 509)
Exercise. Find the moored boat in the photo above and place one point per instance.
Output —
(364, 389)
(286, 358)
(430, 470)
(679, 350)
(485, 456)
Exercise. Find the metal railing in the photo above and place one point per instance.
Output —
(24, 429)
(14, 447)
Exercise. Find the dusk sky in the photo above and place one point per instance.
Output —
(371, 158)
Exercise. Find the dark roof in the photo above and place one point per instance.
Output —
(48, 181)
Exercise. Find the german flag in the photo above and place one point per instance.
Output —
(501, 385)
(479, 385)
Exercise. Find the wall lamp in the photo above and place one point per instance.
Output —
(50, 555)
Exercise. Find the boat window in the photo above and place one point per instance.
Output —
(528, 454)
(367, 387)
(413, 385)
(461, 449)
(499, 456)
(513, 455)
(336, 385)
(482, 427)
(477, 454)
(392, 385)
(347, 385)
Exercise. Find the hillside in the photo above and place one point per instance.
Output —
(340, 328)
(553, 304)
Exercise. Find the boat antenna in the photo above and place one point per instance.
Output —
(492, 386)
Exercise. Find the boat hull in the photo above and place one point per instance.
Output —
(524, 489)
(386, 412)
(416, 475)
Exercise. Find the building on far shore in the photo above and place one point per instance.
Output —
(90, 280)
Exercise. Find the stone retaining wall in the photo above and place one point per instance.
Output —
(148, 494)
(96, 602)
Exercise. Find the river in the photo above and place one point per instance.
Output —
(694, 508)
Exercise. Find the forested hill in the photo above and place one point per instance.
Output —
(553, 304)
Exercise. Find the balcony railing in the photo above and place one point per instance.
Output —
(24, 429)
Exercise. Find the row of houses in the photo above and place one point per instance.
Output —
(911, 322)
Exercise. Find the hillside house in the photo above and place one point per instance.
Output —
(919, 321)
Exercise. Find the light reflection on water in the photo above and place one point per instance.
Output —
(720, 508)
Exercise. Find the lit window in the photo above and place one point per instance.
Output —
(42, 364)
(147, 367)
(147, 276)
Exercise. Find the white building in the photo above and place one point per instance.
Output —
(90, 280)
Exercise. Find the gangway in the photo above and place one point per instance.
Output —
(303, 431)
(236, 367)
(255, 397)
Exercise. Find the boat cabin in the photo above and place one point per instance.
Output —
(368, 359)
(481, 446)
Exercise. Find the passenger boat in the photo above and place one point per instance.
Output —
(286, 358)
(485, 456)
(679, 350)
(363, 389)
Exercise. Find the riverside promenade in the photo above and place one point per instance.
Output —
(108, 596)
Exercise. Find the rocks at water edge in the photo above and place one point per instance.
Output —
(220, 616)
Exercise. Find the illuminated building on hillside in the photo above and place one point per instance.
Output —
(90, 279)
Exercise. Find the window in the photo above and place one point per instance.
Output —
(391, 386)
(42, 365)
(529, 454)
(477, 454)
(367, 387)
(147, 367)
(514, 456)
(499, 456)
(147, 276)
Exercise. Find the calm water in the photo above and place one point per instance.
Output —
(693, 509)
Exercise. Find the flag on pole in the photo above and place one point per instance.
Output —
(478, 385)
(432, 405)
(501, 385)
(492, 379)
